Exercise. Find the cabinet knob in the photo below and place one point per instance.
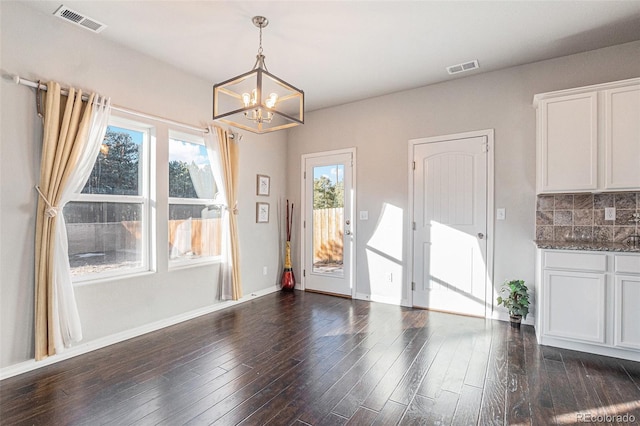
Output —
(480, 235)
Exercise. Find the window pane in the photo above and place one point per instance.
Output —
(103, 236)
(118, 167)
(190, 174)
(328, 220)
(194, 231)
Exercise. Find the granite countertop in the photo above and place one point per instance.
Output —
(589, 246)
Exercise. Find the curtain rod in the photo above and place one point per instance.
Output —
(30, 83)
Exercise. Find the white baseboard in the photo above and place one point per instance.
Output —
(630, 354)
(382, 299)
(83, 348)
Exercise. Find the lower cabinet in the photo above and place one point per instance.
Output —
(588, 301)
(626, 308)
(574, 305)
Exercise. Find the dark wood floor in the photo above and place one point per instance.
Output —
(307, 358)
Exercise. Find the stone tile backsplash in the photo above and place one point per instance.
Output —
(580, 217)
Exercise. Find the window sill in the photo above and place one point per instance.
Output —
(177, 265)
(104, 279)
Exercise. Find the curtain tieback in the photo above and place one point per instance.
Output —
(50, 211)
(234, 210)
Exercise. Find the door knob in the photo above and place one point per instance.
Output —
(480, 235)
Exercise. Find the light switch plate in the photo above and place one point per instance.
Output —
(610, 213)
(501, 214)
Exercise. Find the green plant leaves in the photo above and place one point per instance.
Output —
(517, 301)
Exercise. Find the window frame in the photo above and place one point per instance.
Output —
(185, 262)
(143, 199)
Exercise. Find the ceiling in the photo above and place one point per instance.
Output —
(343, 51)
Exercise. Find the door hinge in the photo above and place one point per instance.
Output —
(414, 165)
(304, 224)
(304, 272)
(413, 286)
(305, 175)
(485, 147)
(413, 226)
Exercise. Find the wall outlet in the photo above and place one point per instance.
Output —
(610, 213)
(264, 270)
(364, 215)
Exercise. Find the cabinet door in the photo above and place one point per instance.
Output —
(574, 305)
(622, 138)
(568, 143)
(627, 300)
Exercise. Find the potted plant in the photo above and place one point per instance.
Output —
(517, 302)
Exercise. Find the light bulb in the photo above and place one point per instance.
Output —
(271, 101)
(246, 99)
(254, 96)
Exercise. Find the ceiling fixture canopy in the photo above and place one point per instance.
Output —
(257, 100)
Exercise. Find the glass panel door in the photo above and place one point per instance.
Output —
(328, 223)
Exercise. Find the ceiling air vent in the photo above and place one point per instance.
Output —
(467, 66)
(78, 18)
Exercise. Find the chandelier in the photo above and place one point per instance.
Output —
(257, 100)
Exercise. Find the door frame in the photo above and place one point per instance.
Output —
(303, 213)
(490, 238)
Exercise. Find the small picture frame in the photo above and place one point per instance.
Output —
(262, 212)
(263, 185)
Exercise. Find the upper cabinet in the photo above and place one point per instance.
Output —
(622, 137)
(588, 139)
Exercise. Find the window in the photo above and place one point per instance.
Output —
(194, 214)
(111, 224)
(108, 223)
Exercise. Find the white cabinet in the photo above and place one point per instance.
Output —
(568, 151)
(622, 138)
(626, 301)
(588, 139)
(627, 296)
(588, 301)
(574, 305)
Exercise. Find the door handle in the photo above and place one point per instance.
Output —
(480, 235)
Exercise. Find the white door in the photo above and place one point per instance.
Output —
(450, 215)
(328, 223)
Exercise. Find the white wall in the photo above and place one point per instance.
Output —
(380, 129)
(36, 46)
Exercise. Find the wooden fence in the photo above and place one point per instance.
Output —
(186, 236)
(200, 237)
(328, 232)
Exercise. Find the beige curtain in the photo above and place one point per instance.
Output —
(228, 155)
(66, 125)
